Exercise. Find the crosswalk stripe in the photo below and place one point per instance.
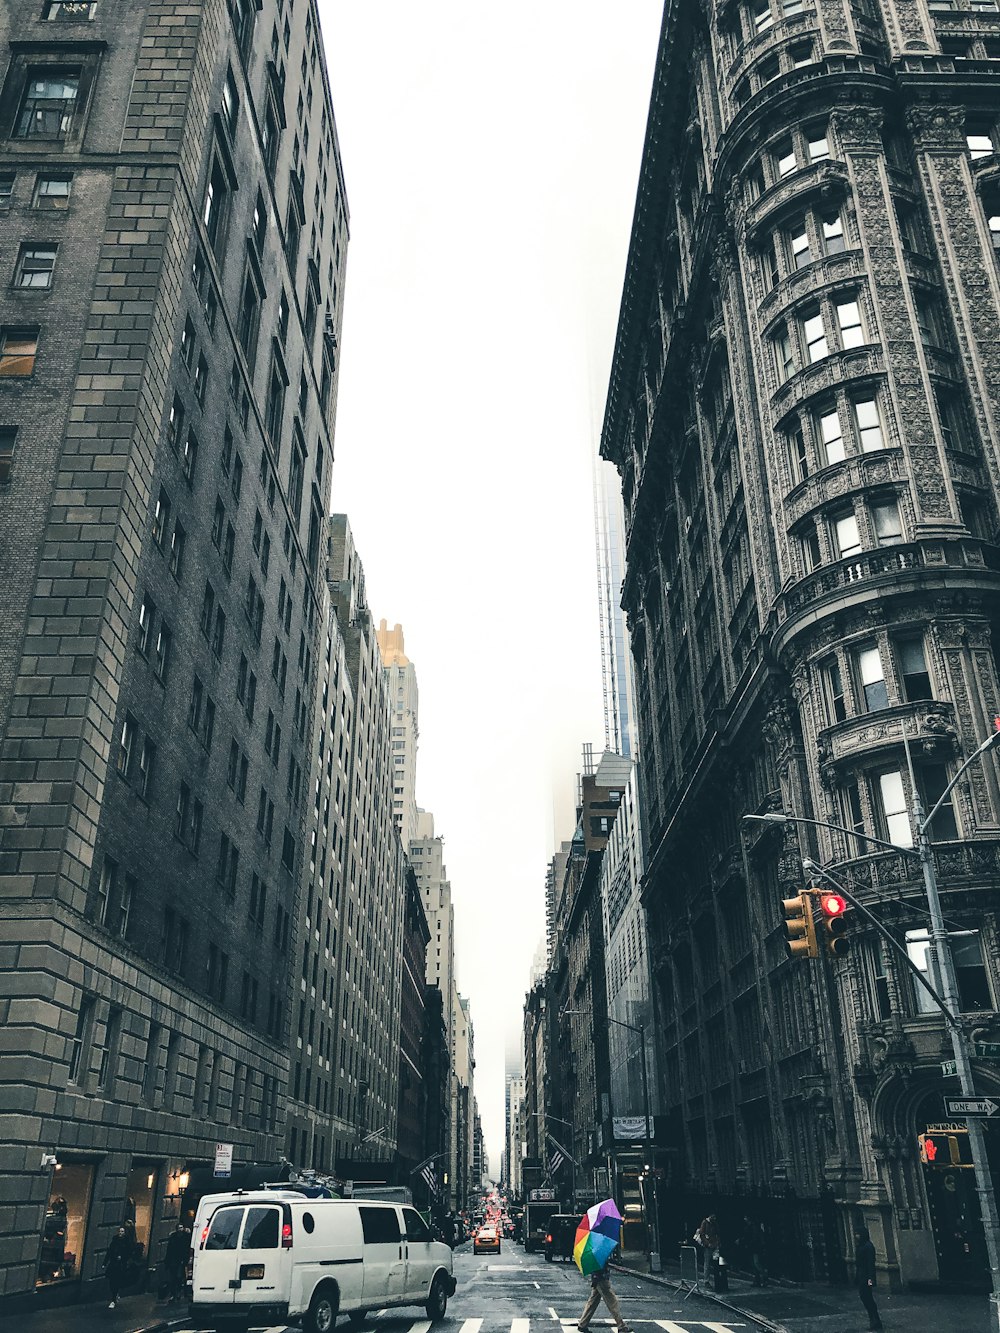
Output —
(421, 1326)
(471, 1326)
(670, 1326)
(520, 1326)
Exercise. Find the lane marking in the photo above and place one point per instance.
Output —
(421, 1326)
(537, 1286)
(471, 1326)
(553, 1314)
(520, 1326)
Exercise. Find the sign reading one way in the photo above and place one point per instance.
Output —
(965, 1106)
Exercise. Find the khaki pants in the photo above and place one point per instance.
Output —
(602, 1287)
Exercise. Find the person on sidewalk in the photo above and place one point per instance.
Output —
(176, 1259)
(755, 1250)
(600, 1288)
(864, 1275)
(116, 1263)
(707, 1238)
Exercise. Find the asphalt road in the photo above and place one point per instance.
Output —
(514, 1292)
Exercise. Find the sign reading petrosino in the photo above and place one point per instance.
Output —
(631, 1127)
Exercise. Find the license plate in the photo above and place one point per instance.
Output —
(252, 1272)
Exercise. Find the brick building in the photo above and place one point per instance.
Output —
(174, 241)
(803, 410)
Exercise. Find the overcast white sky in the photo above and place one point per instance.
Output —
(491, 153)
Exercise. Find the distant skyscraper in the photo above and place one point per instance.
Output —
(620, 733)
(403, 698)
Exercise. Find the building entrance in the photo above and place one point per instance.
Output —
(950, 1183)
(64, 1231)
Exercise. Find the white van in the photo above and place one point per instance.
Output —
(264, 1256)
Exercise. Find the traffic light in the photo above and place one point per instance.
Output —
(799, 926)
(938, 1149)
(833, 908)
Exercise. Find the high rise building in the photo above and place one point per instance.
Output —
(427, 857)
(802, 408)
(175, 239)
(404, 699)
(372, 906)
(620, 733)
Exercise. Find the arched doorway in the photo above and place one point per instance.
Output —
(930, 1179)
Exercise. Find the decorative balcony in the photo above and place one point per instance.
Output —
(929, 726)
(889, 877)
(934, 564)
(837, 480)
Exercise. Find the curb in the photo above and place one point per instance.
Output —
(161, 1326)
(760, 1320)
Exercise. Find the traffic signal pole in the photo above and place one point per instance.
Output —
(949, 1002)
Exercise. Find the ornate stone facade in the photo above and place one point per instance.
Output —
(803, 410)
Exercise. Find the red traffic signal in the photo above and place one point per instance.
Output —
(833, 907)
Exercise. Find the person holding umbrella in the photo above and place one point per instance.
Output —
(596, 1241)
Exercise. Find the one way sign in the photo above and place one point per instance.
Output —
(965, 1106)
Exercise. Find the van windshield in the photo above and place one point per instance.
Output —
(261, 1230)
(225, 1229)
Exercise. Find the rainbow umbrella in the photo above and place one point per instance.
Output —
(596, 1236)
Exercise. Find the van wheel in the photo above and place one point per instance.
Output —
(322, 1313)
(437, 1303)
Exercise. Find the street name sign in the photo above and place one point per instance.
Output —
(964, 1106)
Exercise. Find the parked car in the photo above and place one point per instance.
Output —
(560, 1236)
(487, 1241)
(268, 1256)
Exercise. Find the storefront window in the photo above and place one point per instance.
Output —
(140, 1201)
(65, 1228)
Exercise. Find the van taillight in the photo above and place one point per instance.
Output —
(286, 1236)
(548, 1240)
(204, 1235)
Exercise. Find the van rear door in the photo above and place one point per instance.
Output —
(263, 1260)
(216, 1256)
(384, 1264)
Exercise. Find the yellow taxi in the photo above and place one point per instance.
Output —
(486, 1241)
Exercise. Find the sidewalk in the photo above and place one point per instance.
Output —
(134, 1314)
(815, 1308)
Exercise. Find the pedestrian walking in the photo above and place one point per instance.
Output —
(755, 1249)
(176, 1259)
(116, 1262)
(601, 1289)
(864, 1275)
(707, 1239)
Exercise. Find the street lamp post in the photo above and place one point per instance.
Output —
(950, 1000)
(651, 1219)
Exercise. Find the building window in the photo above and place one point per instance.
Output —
(798, 243)
(818, 144)
(147, 612)
(70, 11)
(230, 102)
(216, 208)
(784, 157)
(147, 761)
(49, 103)
(8, 441)
(852, 332)
(832, 436)
(872, 678)
(127, 746)
(189, 458)
(161, 658)
(7, 179)
(815, 337)
(783, 353)
(275, 407)
(979, 139)
(886, 522)
(869, 424)
(847, 536)
(913, 670)
(80, 1048)
(249, 317)
(932, 779)
(18, 349)
(176, 560)
(893, 811)
(954, 421)
(832, 233)
(161, 518)
(810, 548)
(35, 266)
(833, 681)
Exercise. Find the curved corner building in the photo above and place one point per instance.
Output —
(803, 411)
